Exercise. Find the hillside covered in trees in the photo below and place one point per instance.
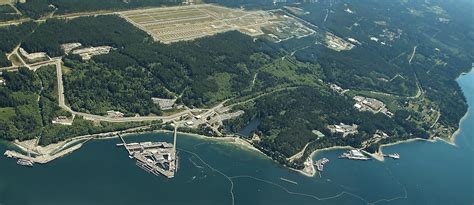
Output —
(203, 72)
(285, 86)
(11, 37)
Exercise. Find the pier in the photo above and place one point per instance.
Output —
(158, 158)
(40, 159)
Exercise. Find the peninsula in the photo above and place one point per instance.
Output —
(280, 76)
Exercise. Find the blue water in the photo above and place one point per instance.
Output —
(214, 172)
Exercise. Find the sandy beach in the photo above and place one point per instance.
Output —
(456, 133)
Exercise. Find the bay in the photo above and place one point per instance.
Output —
(217, 172)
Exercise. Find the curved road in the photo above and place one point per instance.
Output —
(88, 116)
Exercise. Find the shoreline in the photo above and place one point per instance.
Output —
(61, 149)
(379, 155)
(51, 152)
(232, 140)
(456, 133)
(309, 169)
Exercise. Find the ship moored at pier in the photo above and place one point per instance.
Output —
(355, 155)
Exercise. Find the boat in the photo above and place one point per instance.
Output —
(354, 154)
(394, 156)
(25, 162)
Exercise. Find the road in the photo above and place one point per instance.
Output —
(59, 76)
(299, 154)
(261, 95)
(62, 104)
(298, 18)
(65, 16)
(436, 120)
(57, 62)
(61, 98)
(412, 55)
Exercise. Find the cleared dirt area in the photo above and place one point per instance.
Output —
(180, 23)
(2, 2)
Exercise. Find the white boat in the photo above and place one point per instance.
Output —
(25, 162)
(394, 156)
(354, 154)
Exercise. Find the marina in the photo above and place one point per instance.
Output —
(320, 164)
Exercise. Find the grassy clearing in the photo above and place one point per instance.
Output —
(6, 113)
(223, 81)
(66, 69)
(15, 60)
(294, 72)
(3, 2)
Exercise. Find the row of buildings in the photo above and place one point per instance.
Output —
(85, 53)
(343, 129)
(371, 105)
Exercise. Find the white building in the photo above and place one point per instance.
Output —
(32, 56)
(165, 104)
(114, 114)
(68, 47)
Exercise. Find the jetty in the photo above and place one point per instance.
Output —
(25, 160)
(158, 158)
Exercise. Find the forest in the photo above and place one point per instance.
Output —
(8, 13)
(442, 55)
(442, 49)
(287, 119)
(29, 103)
(288, 81)
(11, 37)
(140, 68)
